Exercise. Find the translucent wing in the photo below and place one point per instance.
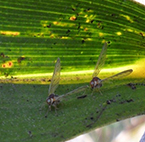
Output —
(80, 89)
(55, 78)
(119, 75)
(101, 60)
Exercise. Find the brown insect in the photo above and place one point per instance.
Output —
(96, 82)
(53, 99)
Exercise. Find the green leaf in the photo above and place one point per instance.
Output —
(34, 34)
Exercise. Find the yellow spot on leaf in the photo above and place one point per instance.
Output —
(119, 33)
(101, 34)
(3, 65)
(73, 18)
(127, 17)
(64, 37)
(130, 30)
(7, 64)
(55, 23)
(87, 21)
(53, 36)
(85, 29)
(103, 41)
(10, 33)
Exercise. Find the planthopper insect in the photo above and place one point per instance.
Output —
(53, 99)
(96, 82)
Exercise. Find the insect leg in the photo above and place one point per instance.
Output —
(46, 113)
(100, 91)
(92, 92)
(97, 90)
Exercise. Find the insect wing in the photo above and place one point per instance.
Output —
(80, 89)
(119, 75)
(101, 60)
(55, 78)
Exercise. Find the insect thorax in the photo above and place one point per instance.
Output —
(96, 83)
(52, 98)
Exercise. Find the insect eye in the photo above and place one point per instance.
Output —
(92, 83)
(48, 100)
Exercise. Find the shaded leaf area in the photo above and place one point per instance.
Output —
(23, 113)
(34, 34)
